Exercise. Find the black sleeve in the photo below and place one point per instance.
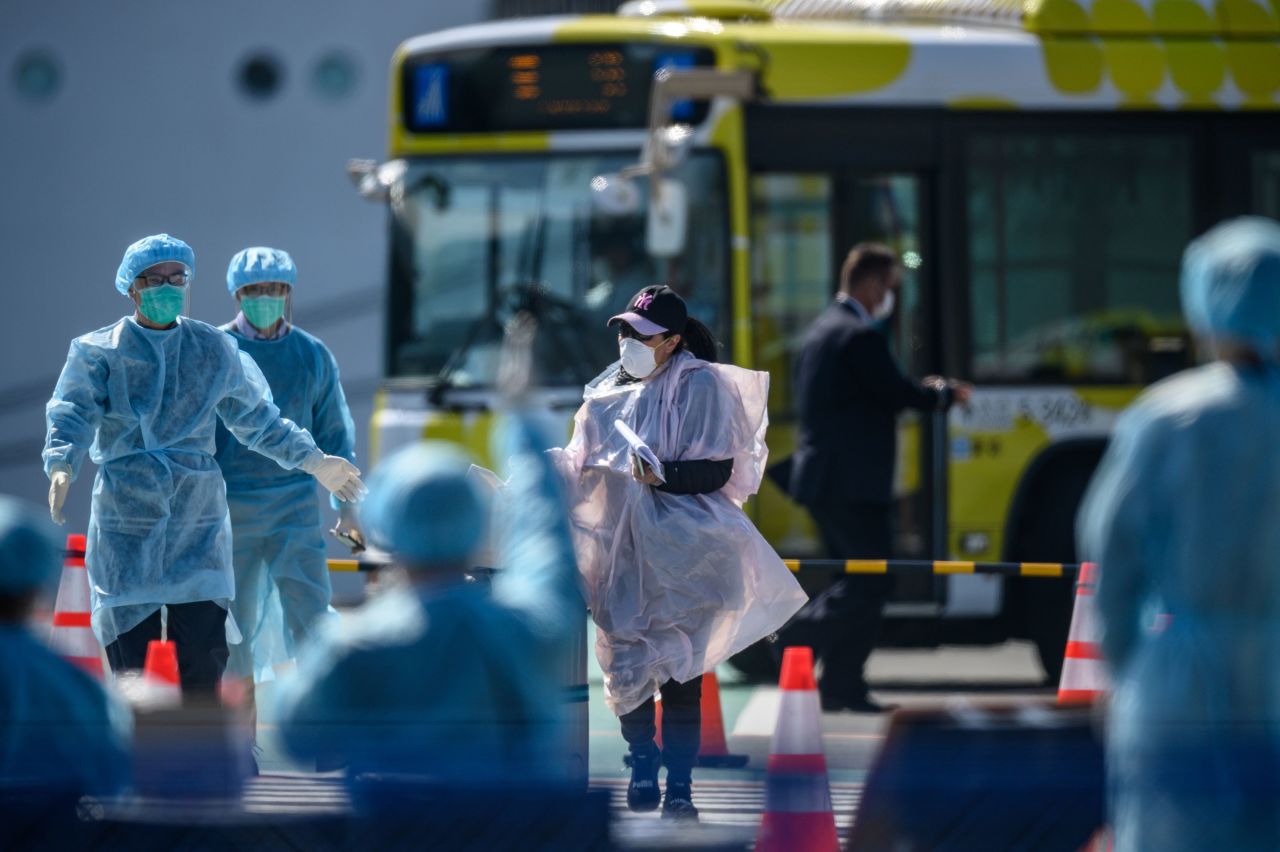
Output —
(871, 362)
(700, 476)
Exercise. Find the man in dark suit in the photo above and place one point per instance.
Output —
(849, 391)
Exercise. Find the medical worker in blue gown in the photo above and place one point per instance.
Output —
(276, 519)
(1183, 519)
(437, 678)
(60, 733)
(141, 398)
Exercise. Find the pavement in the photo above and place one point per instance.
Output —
(1002, 675)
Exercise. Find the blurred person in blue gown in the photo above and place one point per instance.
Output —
(438, 679)
(62, 734)
(1183, 519)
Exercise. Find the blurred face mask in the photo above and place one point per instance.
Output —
(637, 359)
(162, 304)
(262, 311)
(884, 310)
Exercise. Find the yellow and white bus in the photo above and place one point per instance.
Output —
(1038, 165)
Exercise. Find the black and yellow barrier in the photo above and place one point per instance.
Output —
(861, 566)
(352, 565)
(935, 567)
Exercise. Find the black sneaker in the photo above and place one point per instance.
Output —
(642, 792)
(678, 803)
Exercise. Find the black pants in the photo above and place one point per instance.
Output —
(842, 624)
(681, 728)
(199, 631)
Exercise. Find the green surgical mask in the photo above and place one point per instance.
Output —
(162, 304)
(262, 311)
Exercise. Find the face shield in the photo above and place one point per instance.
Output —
(266, 304)
(162, 293)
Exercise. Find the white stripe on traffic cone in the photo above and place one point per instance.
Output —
(798, 815)
(72, 636)
(1084, 674)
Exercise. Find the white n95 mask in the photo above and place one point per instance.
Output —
(885, 309)
(637, 359)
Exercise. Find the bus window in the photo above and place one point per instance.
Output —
(791, 271)
(1266, 183)
(795, 262)
(1074, 247)
(477, 239)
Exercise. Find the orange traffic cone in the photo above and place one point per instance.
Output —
(1084, 675)
(72, 636)
(797, 813)
(714, 750)
(160, 671)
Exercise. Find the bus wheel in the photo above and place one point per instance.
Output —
(1051, 602)
(1043, 530)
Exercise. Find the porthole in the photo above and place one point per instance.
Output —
(261, 76)
(334, 76)
(37, 76)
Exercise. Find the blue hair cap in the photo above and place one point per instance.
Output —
(147, 252)
(1231, 284)
(29, 555)
(422, 508)
(259, 265)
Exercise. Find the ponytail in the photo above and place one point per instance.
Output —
(699, 341)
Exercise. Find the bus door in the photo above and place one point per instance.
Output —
(804, 222)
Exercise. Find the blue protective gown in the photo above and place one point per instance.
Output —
(1184, 520)
(452, 682)
(142, 404)
(61, 732)
(276, 518)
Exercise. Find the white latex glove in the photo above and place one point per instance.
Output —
(59, 485)
(336, 474)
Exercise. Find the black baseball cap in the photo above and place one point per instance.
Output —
(657, 309)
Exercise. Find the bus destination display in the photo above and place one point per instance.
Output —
(551, 87)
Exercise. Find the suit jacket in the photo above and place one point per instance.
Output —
(848, 391)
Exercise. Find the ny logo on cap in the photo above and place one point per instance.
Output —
(643, 301)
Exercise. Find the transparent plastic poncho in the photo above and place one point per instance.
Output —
(675, 583)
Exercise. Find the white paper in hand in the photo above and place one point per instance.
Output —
(486, 480)
(641, 449)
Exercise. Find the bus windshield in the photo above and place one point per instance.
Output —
(477, 239)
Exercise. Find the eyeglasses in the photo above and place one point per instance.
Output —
(264, 288)
(625, 330)
(177, 278)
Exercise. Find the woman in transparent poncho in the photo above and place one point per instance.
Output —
(677, 577)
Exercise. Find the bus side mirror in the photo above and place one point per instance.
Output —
(668, 219)
(376, 181)
(615, 195)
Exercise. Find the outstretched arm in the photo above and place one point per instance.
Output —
(539, 572)
(254, 420)
(873, 367)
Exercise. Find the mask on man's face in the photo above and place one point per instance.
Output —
(637, 359)
(162, 304)
(262, 312)
(884, 310)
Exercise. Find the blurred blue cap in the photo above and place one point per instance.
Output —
(29, 554)
(258, 265)
(149, 251)
(1231, 284)
(422, 508)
